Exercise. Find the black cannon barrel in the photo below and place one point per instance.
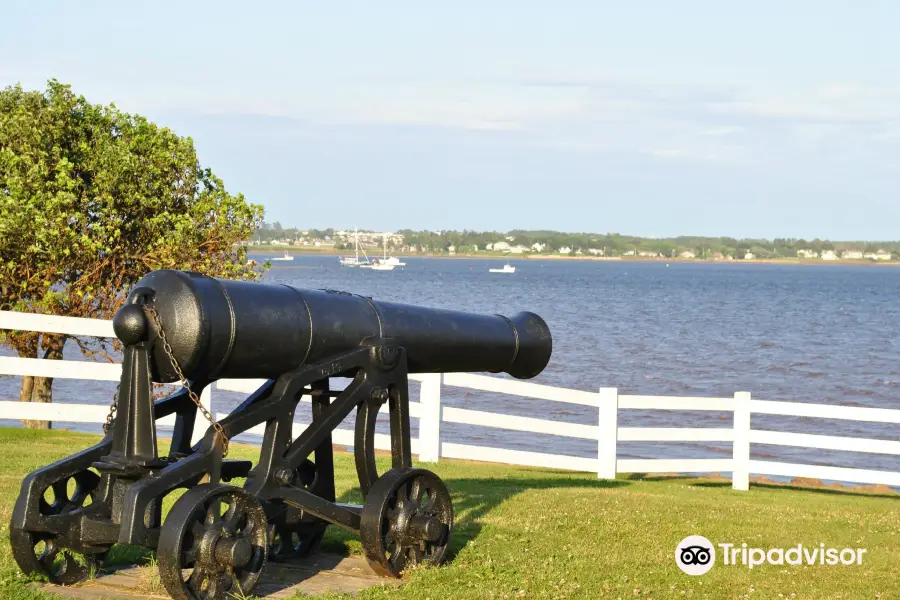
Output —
(236, 329)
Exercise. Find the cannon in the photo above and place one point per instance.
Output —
(188, 328)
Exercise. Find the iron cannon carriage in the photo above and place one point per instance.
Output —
(187, 328)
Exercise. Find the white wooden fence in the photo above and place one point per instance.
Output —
(430, 446)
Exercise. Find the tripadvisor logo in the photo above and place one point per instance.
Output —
(696, 555)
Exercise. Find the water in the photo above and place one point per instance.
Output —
(826, 334)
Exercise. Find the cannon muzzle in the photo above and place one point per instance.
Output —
(236, 329)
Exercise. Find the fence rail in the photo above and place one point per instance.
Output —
(430, 447)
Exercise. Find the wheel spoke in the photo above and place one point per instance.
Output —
(235, 512)
(214, 511)
(428, 505)
(198, 527)
(188, 557)
(216, 585)
(49, 554)
(418, 487)
(398, 559)
(390, 537)
(195, 581)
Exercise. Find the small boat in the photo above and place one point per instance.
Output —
(285, 257)
(350, 261)
(385, 264)
(507, 268)
(355, 261)
(393, 260)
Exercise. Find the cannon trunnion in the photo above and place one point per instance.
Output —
(216, 539)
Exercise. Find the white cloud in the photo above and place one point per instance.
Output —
(724, 130)
(688, 122)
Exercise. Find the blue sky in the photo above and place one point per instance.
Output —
(653, 118)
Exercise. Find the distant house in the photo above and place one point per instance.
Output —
(807, 254)
(851, 255)
(538, 247)
(717, 256)
(501, 247)
(518, 249)
(489, 247)
(883, 255)
(749, 256)
(628, 253)
(451, 249)
(829, 255)
(648, 254)
(596, 251)
(687, 254)
(565, 250)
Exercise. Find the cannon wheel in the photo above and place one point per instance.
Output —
(213, 544)
(38, 553)
(406, 520)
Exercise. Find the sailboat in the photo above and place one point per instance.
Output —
(286, 256)
(383, 264)
(354, 261)
(388, 261)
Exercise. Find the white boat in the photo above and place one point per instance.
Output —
(507, 268)
(285, 257)
(355, 261)
(385, 263)
(393, 260)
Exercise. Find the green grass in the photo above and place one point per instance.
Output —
(536, 533)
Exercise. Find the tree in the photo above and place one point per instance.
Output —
(91, 199)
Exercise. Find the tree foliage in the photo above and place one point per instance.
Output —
(92, 198)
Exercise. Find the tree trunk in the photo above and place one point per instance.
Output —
(41, 387)
(25, 394)
(42, 393)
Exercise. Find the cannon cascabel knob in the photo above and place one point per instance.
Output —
(130, 324)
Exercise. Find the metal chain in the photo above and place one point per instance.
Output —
(111, 417)
(196, 400)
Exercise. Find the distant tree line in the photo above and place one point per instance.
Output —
(615, 244)
(271, 232)
(609, 244)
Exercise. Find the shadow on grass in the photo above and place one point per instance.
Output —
(797, 488)
(473, 499)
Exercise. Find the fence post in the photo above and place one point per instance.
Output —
(201, 425)
(740, 474)
(607, 433)
(430, 418)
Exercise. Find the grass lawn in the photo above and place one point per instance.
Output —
(537, 533)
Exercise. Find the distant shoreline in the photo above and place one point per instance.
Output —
(630, 259)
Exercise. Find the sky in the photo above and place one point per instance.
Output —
(653, 118)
